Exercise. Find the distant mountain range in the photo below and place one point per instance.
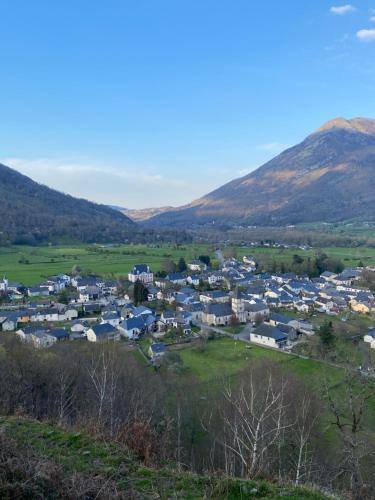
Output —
(328, 177)
(143, 214)
(33, 213)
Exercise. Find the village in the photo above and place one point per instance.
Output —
(235, 300)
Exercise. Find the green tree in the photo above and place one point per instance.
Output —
(205, 259)
(140, 293)
(63, 297)
(297, 259)
(326, 335)
(181, 266)
(168, 266)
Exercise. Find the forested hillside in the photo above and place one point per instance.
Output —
(32, 213)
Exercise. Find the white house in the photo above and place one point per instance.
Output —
(370, 338)
(131, 328)
(156, 351)
(142, 273)
(269, 336)
(4, 285)
(102, 333)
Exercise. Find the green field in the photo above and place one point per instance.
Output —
(223, 357)
(30, 265)
(33, 264)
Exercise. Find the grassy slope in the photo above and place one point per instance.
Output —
(76, 452)
(45, 261)
(227, 357)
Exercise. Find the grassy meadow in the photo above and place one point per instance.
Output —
(30, 265)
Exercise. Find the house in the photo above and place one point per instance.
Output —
(141, 311)
(177, 278)
(157, 350)
(4, 285)
(132, 328)
(277, 319)
(197, 265)
(182, 318)
(60, 334)
(38, 291)
(249, 261)
(88, 293)
(302, 327)
(70, 314)
(217, 314)
(218, 296)
(78, 326)
(142, 273)
(92, 308)
(216, 277)
(167, 317)
(113, 318)
(102, 333)
(255, 311)
(269, 336)
(37, 336)
(196, 310)
(360, 307)
(193, 279)
(9, 321)
(152, 293)
(370, 338)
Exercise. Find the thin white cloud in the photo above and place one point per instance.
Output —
(372, 18)
(71, 167)
(366, 35)
(341, 10)
(129, 186)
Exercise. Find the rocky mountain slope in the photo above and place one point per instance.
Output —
(328, 177)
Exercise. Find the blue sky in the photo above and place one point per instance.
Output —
(148, 103)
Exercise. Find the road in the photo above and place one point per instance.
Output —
(245, 334)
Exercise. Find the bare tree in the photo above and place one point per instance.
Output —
(303, 428)
(348, 407)
(254, 421)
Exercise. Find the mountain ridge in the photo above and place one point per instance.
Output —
(34, 213)
(327, 177)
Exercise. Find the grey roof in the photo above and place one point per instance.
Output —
(103, 329)
(158, 348)
(256, 307)
(280, 318)
(219, 309)
(131, 323)
(271, 332)
(140, 268)
(59, 333)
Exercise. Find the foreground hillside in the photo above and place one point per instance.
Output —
(72, 465)
(328, 177)
(32, 213)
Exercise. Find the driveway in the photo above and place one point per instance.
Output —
(245, 334)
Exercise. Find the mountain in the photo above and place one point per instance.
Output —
(142, 214)
(33, 213)
(328, 177)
